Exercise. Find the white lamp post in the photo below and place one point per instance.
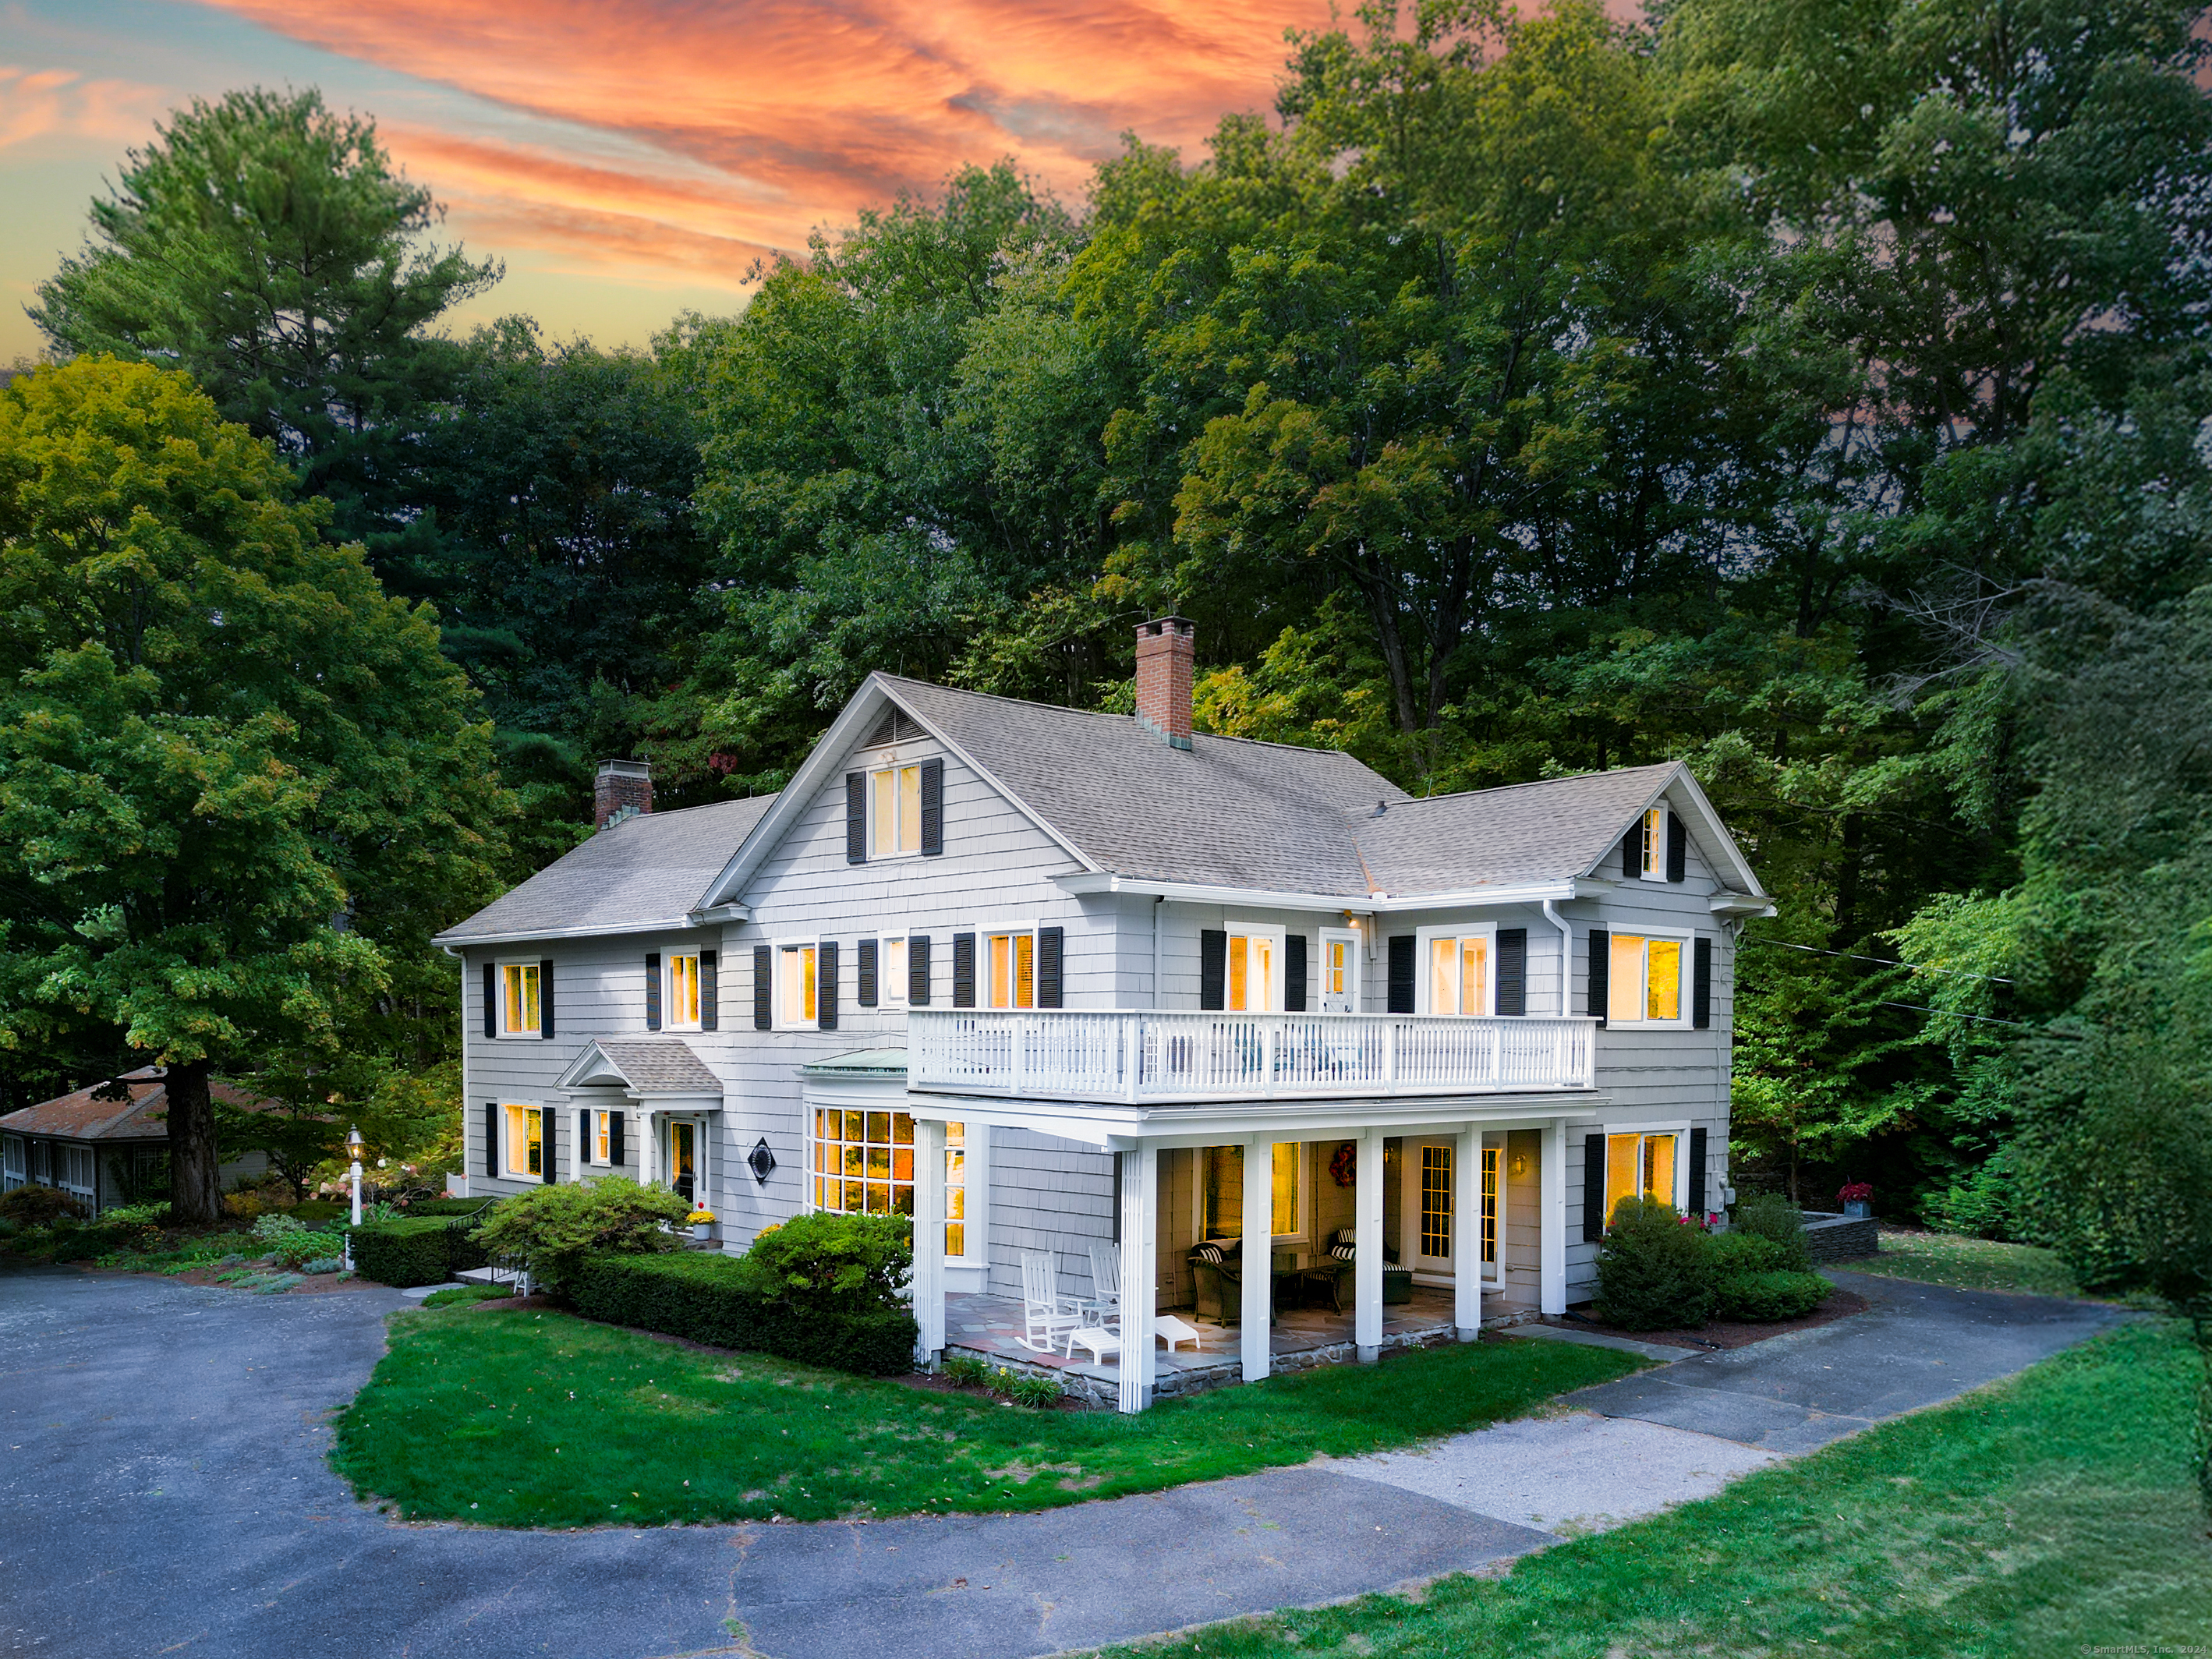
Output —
(353, 1147)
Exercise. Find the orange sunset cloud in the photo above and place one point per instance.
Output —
(709, 132)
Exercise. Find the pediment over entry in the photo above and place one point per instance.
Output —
(661, 1066)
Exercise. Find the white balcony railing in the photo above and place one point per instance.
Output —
(1071, 1055)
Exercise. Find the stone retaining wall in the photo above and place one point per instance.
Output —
(1831, 1237)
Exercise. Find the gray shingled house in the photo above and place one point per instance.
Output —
(1041, 977)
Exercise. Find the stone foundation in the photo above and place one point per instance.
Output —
(1831, 1237)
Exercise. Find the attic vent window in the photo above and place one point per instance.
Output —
(894, 727)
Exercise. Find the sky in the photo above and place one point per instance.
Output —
(627, 159)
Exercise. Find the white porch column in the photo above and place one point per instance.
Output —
(1367, 1253)
(1139, 1272)
(1258, 1255)
(929, 1240)
(1467, 1233)
(646, 1148)
(1551, 1275)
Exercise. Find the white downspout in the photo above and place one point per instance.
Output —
(1566, 955)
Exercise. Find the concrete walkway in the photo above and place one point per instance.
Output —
(164, 1491)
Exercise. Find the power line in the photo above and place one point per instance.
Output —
(1883, 962)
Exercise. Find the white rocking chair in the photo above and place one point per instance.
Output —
(1103, 1305)
(1048, 1315)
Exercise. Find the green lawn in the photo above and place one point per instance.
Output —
(1967, 1264)
(524, 1419)
(2051, 1514)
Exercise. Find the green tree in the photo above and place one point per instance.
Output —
(267, 246)
(239, 788)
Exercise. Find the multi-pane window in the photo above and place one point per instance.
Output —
(795, 984)
(1459, 974)
(1436, 1202)
(603, 1138)
(1655, 844)
(524, 1142)
(1490, 1204)
(895, 811)
(1010, 970)
(1340, 988)
(682, 973)
(1638, 1166)
(518, 1013)
(892, 974)
(864, 1165)
(1645, 982)
(1254, 972)
(1224, 1190)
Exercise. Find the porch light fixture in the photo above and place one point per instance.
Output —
(761, 1161)
(1520, 1164)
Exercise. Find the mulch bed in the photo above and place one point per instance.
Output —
(1729, 1333)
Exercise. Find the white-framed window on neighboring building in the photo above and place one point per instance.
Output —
(1010, 968)
(523, 1150)
(1643, 983)
(1221, 1191)
(680, 974)
(891, 970)
(797, 990)
(1340, 971)
(12, 1169)
(520, 1011)
(863, 1164)
(1655, 843)
(894, 811)
(1641, 1164)
(1458, 971)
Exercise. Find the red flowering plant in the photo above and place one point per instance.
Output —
(1344, 1167)
(1854, 1192)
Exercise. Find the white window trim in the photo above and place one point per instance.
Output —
(1679, 1128)
(975, 1183)
(1424, 937)
(1280, 937)
(500, 965)
(891, 989)
(1688, 942)
(510, 1167)
(668, 1020)
(893, 764)
(787, 1019)
(1306, 1163)
(1348, 937)
(590, 1152)
(1655, 842)
(985, 932)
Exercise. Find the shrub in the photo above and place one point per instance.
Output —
(449, 1206)
(551, 1230)
(703, 1296)
(403, 1253)
(1652, 1272)
(39, 1207)
(966, 1371)
(276, 1226)
(323, 1264)
(1770, 1215)
(1035, 1392)
(295, 1250)
(1746, 1253)
(1767, 1296)
(820, 1261)
(136, 1215)
(313, 1210)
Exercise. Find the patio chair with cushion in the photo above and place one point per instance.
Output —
(1344, 1287)
(1048, 1316)
(1217, 1266)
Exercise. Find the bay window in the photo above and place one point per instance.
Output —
(863, 1164)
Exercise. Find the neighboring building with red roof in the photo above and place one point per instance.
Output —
(106, 1151)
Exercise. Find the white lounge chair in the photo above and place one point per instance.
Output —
(1048, 1315)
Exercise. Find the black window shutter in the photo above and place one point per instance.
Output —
(933, 807)
(1294, 974)
(825, 985)
(763, 1011)
(710, 990)
(615, 1152)
(545, 999)
(547, 1161)
(491, 1139)
(856, 818)
(1601, 973)
(1213, 968)
(653, 991)
(1701, 986)
(1513, 970)
(917, 971)
(1593, 1188)
(963, 971)
(491, 1001)
(1678, 849)
(1697, 1172)
(1401, 974)
(1632, 853)
(583, 1140)
(865, 967)
(1051, 946)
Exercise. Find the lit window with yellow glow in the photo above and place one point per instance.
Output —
(518, 1014)
(795, 984)
(1638, 1166)
(1643, 983)
(1010, 975)
(895, 811)
(683, 994)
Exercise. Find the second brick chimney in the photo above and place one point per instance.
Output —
(622, 789)
(1166, 656)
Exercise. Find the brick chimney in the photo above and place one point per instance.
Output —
(623, 787)
(1166, 654)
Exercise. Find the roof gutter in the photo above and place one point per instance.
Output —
(1084, 882)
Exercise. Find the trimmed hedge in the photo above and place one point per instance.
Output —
(1770, 1296)
(700, 1296)
(468, 1206)
(419, 1250)
(313, 1210)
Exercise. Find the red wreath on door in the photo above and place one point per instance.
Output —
(1344, 1166)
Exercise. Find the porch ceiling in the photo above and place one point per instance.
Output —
(1122, 1127)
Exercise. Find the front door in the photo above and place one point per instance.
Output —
(1430, 1225)
(683, 1158)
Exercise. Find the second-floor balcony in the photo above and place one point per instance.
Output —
(1156, 1055)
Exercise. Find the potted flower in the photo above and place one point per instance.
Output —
(1857, 1199)
(702, 1222)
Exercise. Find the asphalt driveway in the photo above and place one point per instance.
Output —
(163, 1490)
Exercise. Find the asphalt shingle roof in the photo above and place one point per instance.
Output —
(1540, 831)
(653, 867)
(660, 1066)
(78, 1117)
